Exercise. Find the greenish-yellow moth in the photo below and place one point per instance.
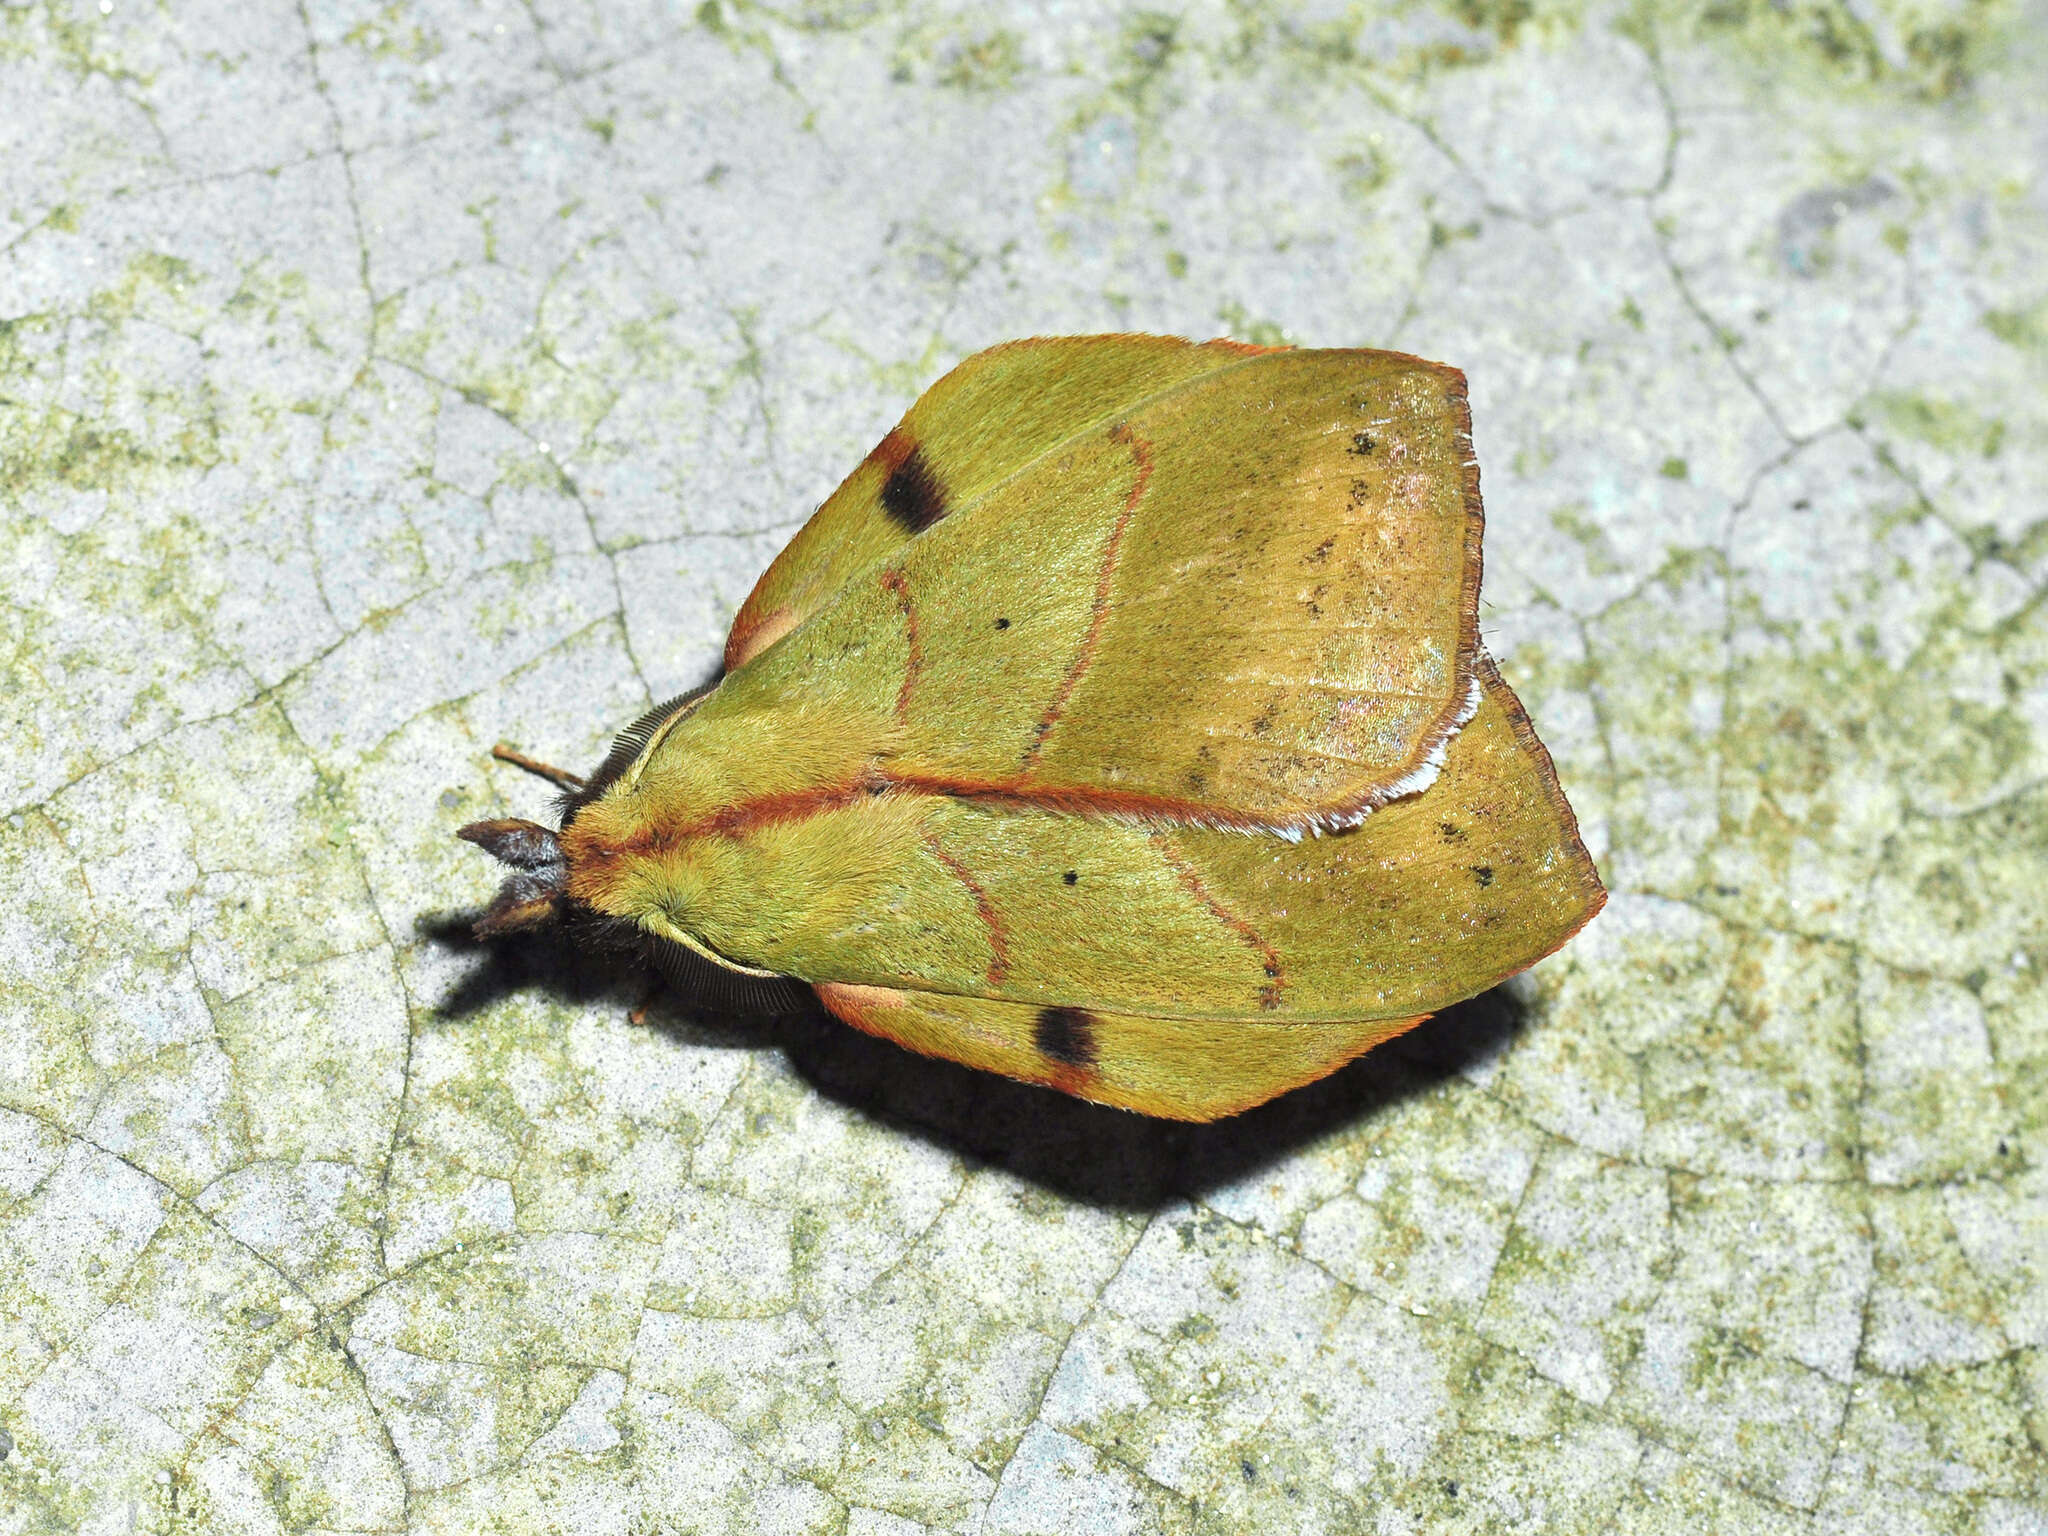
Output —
(1120, 724)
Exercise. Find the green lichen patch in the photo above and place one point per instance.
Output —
(1928, 51)
(1431, 1206)
(962, 57)
(1928, 1307)
(1524, 1444)
(1956, 1431)
(1582, 1265)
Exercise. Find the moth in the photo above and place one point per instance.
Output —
(1121, 724)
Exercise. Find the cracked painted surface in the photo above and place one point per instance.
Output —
(380, 382)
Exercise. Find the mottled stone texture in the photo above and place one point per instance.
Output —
(378, 382)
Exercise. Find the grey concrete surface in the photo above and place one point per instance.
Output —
(380, 382)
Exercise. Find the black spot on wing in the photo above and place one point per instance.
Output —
(912, 495)
(1065, 1035)
(1483, 873)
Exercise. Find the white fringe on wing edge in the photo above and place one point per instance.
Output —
(1413, 782)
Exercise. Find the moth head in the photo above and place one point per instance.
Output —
(534, 892)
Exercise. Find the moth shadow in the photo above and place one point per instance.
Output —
(1111, 1157)
(546, 959)
(1104, 1157)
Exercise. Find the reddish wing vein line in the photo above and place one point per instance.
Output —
(1141, 451)
(743, 817)
(895, 582)
(1191, 879)
(998, 940)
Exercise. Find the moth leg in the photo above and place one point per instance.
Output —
(652, 994)
(505, 752)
